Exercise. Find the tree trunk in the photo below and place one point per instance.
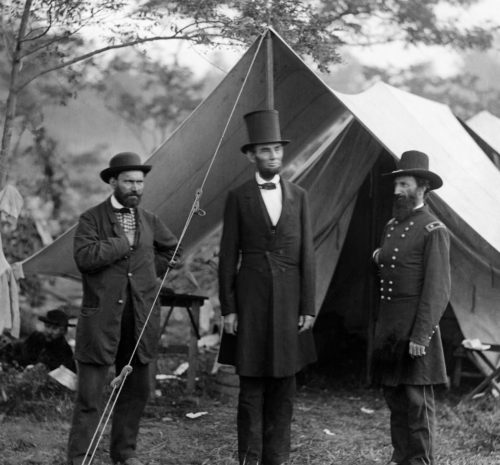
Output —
(10, 110)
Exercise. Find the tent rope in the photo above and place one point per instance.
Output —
(118, 382)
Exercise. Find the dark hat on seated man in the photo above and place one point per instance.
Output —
(56, 317)
(263, 127)
(415, 163)
(124, 161)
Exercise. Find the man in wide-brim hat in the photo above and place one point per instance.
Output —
(120, 249)
(267, 300)
(414, 267)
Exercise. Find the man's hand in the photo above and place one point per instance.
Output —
(416, 350)
(174, 262)
(305, 322)
(231, 323)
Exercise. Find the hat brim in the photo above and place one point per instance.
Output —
(434, 179)
(246, 147)
(108, 173)
(52, 322)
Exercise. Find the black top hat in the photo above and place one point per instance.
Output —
(415, 163)
(56, 317)
(124, 161)
(263, 127)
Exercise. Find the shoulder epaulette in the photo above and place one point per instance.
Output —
(434, 225)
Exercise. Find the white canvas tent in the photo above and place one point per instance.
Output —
(486, 127)
(340, 146)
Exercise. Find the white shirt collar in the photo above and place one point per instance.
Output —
(419, 206)
(261, 180)
(115, 203)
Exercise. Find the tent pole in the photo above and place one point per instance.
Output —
(269, 71)
(373, 241)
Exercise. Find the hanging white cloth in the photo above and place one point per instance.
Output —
(11, 203)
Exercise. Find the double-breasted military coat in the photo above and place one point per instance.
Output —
(267, 277)
(415, 286)
(113, 271)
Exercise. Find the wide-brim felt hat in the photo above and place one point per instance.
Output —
(56, 317)
(416, 163)
(124, 161)
(263, 127)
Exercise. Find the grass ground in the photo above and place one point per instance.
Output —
(336, 423)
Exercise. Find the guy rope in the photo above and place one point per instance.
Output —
(118, 382)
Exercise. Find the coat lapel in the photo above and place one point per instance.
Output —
(288, 203)
(256, 205)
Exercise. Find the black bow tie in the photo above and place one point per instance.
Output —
(122, 210)
(267, 185)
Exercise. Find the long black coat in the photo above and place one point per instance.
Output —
(110, 267)
(414, 290)
(268, 278)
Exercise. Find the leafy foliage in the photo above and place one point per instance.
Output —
(151, 97)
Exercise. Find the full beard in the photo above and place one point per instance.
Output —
(269, 173)
(402, 207)
(131, 200)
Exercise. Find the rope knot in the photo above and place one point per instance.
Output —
(120, 379)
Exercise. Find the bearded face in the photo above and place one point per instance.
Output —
(268, 158)
(407, 196)
(128, 187)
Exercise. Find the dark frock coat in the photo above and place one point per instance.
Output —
(414, 290)
(267, 277)
(113, 271)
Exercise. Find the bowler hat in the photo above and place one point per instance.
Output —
(124, 161)
(56, 317)
(415, 163)
(263, 127)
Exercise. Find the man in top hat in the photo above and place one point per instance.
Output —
(266, 288)
(48, 347)
(414, 270)
(120, 249)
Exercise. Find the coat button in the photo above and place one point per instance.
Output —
(388, 298)
(390, 282)
(381, 281)
(120, 301)
(393, 266)
(396, 249)
(382, 265)
(382, 297)
(129, 274)
(381, 289)
(394, 257)
(392, 229)
(407, 229)
(411, 223)
(390, 289)
(388, 235)
(403, 235)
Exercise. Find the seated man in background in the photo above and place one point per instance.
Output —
(48, 347)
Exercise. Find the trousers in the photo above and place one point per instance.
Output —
(413, 423)
(128, 408)
(265, 409)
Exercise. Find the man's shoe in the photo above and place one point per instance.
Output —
(130, 461)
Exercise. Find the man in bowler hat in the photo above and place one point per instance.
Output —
(120, 249)
(414, 267)
(266, 288)
(48, 347)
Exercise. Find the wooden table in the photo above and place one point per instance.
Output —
(192, 304)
